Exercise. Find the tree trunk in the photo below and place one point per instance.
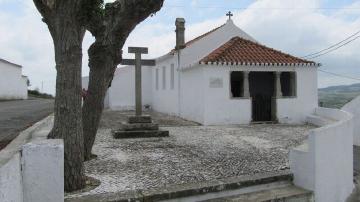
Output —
(67, 121)
(105, 54)
(102, 67)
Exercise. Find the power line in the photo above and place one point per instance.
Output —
(319, 52)
(335, 48)
(247, 8)
(339, 75)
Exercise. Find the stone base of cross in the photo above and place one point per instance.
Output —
(139, 126)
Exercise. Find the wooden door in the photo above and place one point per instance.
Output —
(261, 108)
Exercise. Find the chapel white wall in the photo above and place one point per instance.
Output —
(353, 108)
(166, 100)
(122, 91)
(294, 110)
(192, 54)
(192, 95)
(221, 109)
(12, 84)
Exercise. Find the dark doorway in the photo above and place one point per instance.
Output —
(262, 91)
(236, 79)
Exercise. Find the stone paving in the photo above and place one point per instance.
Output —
(191, 154)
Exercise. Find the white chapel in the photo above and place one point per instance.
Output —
(221, 77)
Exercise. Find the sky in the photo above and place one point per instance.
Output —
(298, 27)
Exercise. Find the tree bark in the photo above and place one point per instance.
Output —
(121, 17)
(67, 121)
(101, 65)
(67, 33)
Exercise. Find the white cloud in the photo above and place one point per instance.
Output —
(25, 39)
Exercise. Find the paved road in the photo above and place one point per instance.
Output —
(16, 116)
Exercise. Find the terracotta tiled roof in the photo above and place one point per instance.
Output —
(198, 38)
(242, 51)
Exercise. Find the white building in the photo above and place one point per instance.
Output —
(13, 85)
(222, 77)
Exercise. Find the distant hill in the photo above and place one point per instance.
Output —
(342, 89)
(338, 96)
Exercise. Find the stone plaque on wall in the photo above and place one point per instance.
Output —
(216, 83)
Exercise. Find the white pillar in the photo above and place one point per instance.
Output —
(246, 85)
(277, 87)
(43, 171)
(292, 84)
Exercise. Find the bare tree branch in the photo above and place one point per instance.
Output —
(124, 15)
(92, 16)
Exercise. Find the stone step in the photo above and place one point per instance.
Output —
(140, 134)
(140, 119)
(284, 194)
(138, 126)
(198, 191)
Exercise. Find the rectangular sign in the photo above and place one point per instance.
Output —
(216, 83)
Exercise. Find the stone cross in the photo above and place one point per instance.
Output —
(138, 63)
(229, 14)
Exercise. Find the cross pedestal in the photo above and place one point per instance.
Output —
(139, 126)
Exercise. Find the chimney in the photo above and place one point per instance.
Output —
(180, 33)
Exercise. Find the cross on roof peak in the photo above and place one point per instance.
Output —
(230, 14)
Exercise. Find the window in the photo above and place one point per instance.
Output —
(236, 84)
(172, 80)
(157, 79)
(164, 78)
(288, 84)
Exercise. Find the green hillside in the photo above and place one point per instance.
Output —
(338, 96)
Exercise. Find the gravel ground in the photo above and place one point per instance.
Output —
(191, 154)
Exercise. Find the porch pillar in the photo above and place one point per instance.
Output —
(277, 86)
(246, 85)
(292, 84)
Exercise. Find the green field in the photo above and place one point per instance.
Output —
(338, 96)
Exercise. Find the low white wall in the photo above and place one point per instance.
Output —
(32, 167)
(11, 180)
(324, 164)
(353, 107)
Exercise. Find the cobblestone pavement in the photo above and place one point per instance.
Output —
(191, 154)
